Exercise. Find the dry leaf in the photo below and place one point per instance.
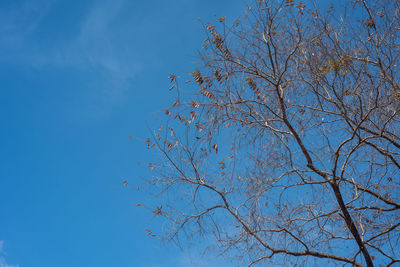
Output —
(215, 146)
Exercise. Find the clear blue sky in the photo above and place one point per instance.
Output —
(77, 78)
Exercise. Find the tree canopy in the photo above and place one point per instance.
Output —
(285, 144)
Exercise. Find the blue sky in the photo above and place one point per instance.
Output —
(77, 79)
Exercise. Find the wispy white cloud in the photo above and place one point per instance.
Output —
(94, 45)
(19, 21)
(99, 47)
(3, 262)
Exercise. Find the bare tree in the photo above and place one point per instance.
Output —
(286, 146)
